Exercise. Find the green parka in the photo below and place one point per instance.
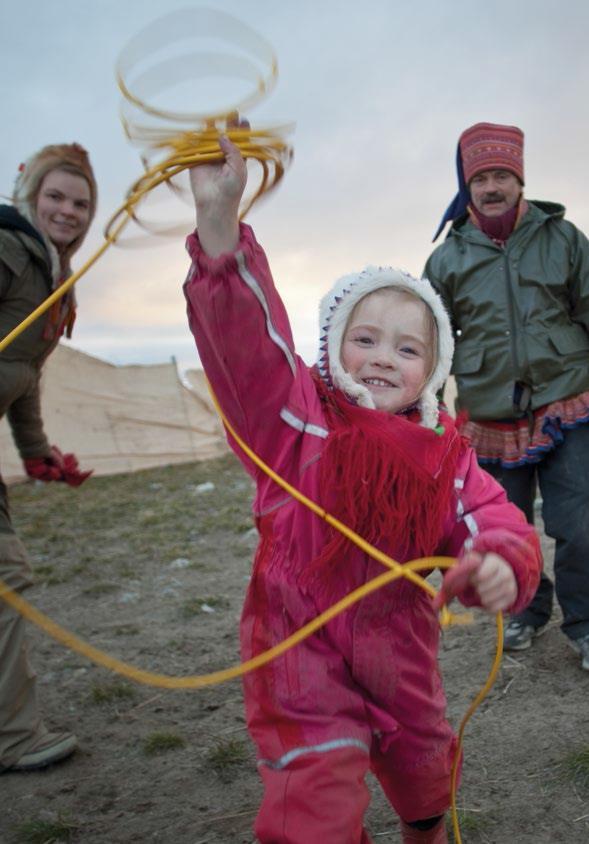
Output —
(520, 314)
(25, 281)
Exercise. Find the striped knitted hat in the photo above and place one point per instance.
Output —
(491, 146)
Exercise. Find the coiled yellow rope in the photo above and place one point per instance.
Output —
(190, 150)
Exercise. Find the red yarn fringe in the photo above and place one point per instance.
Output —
(387, 478)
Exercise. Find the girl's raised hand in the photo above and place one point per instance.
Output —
(220, 186)
(217, 190)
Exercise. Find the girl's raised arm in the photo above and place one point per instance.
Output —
(217, 190)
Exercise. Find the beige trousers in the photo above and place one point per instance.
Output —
(20, 723)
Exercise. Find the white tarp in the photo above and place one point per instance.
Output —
(120, 418)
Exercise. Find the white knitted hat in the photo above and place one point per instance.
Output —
(335, 310)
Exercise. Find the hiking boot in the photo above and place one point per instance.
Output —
(53, 747)
(581, 646)
(518, 636)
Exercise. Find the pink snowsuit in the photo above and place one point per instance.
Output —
(365, 691)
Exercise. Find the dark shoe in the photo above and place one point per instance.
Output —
(53, 747)
(518, 636)
(436, 835)
(582, 647)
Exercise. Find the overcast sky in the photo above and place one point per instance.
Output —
(378, 91)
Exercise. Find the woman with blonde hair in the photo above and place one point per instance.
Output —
(54, 202)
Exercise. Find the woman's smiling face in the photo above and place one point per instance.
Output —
(63, 207)
(388, 347)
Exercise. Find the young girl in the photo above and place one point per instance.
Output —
(362, 435)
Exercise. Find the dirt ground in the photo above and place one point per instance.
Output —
(152, 568)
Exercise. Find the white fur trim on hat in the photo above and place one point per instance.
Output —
(335, 310)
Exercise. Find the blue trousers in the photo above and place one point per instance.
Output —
(563, 478)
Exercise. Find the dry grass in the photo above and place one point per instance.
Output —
(575, 768)
(162, 742)
(227, 758)
(37, 831)
(112, 692)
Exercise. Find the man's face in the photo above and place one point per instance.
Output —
(493, 192)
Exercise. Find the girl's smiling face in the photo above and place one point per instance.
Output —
(388, 347)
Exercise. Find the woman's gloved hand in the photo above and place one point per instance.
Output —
(56, 467)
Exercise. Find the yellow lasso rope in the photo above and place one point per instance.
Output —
(164, 681)
(202, 147)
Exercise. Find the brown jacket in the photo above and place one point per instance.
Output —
(25, 281)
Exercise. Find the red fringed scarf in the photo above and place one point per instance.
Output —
(499, 229)
(386, 477)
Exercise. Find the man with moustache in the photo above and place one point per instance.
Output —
(514, 275)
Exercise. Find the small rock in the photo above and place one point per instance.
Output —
(206, 487)
(206, 608)
(180, 563)
(128, 598)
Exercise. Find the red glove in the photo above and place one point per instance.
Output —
(56, 467)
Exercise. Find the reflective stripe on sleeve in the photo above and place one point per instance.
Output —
(471, 524)
(253, 285)
(305, 427)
